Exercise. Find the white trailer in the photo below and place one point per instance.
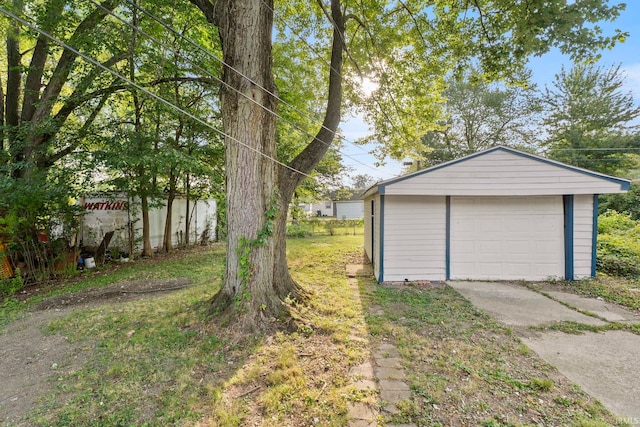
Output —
(105, 213)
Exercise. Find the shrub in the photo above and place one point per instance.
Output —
(10, 286)
(299, 229)
(618, 249)
(332, 226)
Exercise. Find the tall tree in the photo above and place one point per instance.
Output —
(47, 84)
(589, 119)
(481, 115)
(406, 39)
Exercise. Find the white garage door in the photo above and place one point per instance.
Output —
(507, 238)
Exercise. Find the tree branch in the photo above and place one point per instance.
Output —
(208, 9)
(309, 158)
(65, 63)
(39, 57)
(78, 97)
(51, 159)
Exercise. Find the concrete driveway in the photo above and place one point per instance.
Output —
(606, 364)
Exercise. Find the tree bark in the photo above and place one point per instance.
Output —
(167, 241)
(256, 184)
(309, 158)
(12, 100)
(245, 31)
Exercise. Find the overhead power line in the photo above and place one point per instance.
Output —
(149, 93)
(217, 79)
(249, 79)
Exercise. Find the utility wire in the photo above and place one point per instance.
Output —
(319, 56)
(222, 62)
(207, 72)
(284, 102)
(149, 93)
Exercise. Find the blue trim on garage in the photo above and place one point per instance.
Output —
(594, 235)
(381, 240)
(447, 256)
(568, 236)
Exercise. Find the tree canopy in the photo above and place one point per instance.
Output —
(480, 115)
(589, 119)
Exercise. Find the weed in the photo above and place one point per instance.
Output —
(10, 286)
(541, 384)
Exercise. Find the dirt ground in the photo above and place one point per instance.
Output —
(30, 359)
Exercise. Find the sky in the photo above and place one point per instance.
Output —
(544, 69)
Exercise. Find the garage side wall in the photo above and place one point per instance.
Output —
(372, 231)
(414, 238)
(367, 226)
(582, 235)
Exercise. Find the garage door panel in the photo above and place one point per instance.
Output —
(507, 238)
(518, 247)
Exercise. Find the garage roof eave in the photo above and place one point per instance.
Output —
(379, 187)
(369, 191)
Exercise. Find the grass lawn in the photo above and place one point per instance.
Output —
(160, 361)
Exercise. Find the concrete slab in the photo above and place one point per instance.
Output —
(390, 374)
(515, 305)
(363, 370)
(394, 385)
(391, 397)
(359, 270)
(389, 362)
(606, 310)
(386, 350)
(605, 365)
(362, 412)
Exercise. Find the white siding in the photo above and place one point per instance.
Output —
(97, 221)
(507, 238)
(351, 209)
(377, 239)
(414, 238)
(324, 206)
(582, 235)
(499, 173)
(367, 226)
(372, 234)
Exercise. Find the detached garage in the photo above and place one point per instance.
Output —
(500, 214)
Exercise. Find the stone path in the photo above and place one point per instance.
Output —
(383, 372)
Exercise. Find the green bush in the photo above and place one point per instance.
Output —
(618, 249)
(332, 227)
(615, 222)
(299, 229)
(12, 285)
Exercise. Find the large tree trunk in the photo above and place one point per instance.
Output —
(12, 100)
(259, 191)
(245, 31)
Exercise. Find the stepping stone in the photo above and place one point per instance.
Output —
(389, 362)
(387, 350)
(363, 370)
(390, 374)
(394, 385)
